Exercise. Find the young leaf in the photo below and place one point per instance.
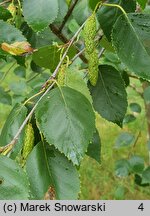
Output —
(135, 107)
(109, 95)
(11, 127)
(129, 118)
(40, 14)
(67, 120)
(14, 183)
(130, 37)
(47, 167)
(146, 176)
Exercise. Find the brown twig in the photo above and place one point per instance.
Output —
(61, 36)
(68, 15)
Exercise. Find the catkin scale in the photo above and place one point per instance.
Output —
(28, 141)
(90, 48)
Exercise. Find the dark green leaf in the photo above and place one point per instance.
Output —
(35, 68)
(94, 148)
(130, 37)
(67, 120)
(124, 139)
(138, 181)
(107, 16)
(47, 57)
(125, 77)
(12, 124)
(5, 98)
(146, 176)
(135, 107)
(122, 168)
(4, 13)
(109, 95)
(40, 14)
(20, 71)
(9, 33)
(129, 118)
(47, 167)
(14, 183)
(93, 3)
(137, 164)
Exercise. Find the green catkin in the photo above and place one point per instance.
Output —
(28, 141)
(61, 75)
(90, 48)
(93, 67)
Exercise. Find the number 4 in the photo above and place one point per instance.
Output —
(141, 207)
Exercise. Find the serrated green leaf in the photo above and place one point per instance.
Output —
(74, 80)
(109, 95)
(4, 13)
(10, 34)
(135, 107)
(137, 163)
(5, 98)
(11, 126)
(40, 14)
(94, 148)
(47, 167)
(146, 176)
(47, 57)
(107, 16)
(122, 168)
(130, 37)
(14, 184)
(67, 120)
(124, 139)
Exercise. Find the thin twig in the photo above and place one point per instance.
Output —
(4, 2)
(14, 140)
(77, 55)
(101, 52)
(68, 15)
(61, 36)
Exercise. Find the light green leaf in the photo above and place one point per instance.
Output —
(109, 95)
(130, 37)
(74, 80)
(124, 139)
(39, 14)
(11, 126)
(14, 184)
(9, 33)
(67, 120)
(47, 167)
